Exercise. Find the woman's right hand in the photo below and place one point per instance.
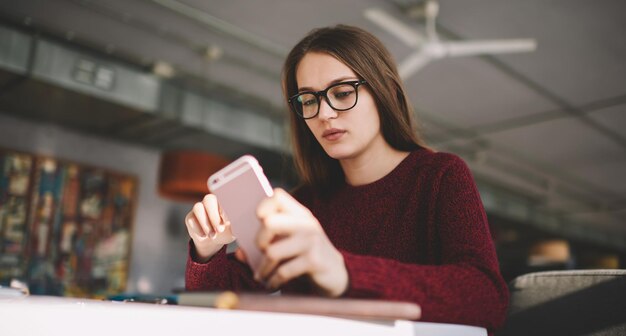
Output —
(208, 227)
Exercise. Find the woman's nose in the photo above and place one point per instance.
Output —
(326, 112)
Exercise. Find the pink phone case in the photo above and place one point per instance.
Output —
(239, 188)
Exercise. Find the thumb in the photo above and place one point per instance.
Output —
(241, 255)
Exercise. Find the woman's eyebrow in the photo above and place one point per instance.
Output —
(334, 81)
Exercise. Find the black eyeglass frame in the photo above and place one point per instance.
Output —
(323, 93)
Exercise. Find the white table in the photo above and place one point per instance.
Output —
(47, 315)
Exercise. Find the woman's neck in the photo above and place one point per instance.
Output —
(372, 164)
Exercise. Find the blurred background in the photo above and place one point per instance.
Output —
(113, 114)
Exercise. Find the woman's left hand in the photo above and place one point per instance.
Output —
(295, 244)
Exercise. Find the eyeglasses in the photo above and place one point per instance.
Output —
(339, 96)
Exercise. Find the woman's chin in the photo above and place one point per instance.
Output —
(339, 153)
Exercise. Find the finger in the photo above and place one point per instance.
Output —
(201, 217)
(267, 206)
(193, 227)
(282, 224)
(265, 268)
(281, 201)
(280, 251)
(212, 209)
(289, 270)
(225, 223)
(241, 255)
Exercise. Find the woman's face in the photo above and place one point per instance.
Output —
(342, 134)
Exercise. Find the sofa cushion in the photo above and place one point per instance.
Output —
(574, 302)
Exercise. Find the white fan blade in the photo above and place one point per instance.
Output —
(394, 26)
(414, 62)
(481, 47)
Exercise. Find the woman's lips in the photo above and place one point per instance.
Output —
(333, 134)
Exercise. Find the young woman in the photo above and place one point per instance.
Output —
(378, 214)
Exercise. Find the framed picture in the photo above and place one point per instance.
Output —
(65, 228)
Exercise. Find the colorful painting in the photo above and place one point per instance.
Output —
(15, 173)
(65, 228)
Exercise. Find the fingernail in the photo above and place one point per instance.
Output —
(220, 228)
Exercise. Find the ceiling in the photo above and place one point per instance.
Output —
(544, 128)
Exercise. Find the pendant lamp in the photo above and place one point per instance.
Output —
(183, 174)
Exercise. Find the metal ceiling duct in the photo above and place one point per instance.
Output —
(26, 58)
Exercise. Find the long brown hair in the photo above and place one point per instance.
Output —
(369, 59)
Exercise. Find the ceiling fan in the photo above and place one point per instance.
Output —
(429, 47)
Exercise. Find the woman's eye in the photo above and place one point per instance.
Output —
(343, 94)
(307, 100)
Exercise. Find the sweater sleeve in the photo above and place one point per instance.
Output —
(466, 287)
(222, 272)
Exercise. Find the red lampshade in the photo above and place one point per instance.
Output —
(183, 174)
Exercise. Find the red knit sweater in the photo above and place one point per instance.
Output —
(418, 234)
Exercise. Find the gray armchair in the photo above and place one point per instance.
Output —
(576, 302)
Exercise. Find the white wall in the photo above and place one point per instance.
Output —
(159, 245)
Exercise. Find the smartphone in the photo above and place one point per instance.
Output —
(239, 188)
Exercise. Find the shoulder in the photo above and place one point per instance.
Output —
(439, 163)
(450, 174)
